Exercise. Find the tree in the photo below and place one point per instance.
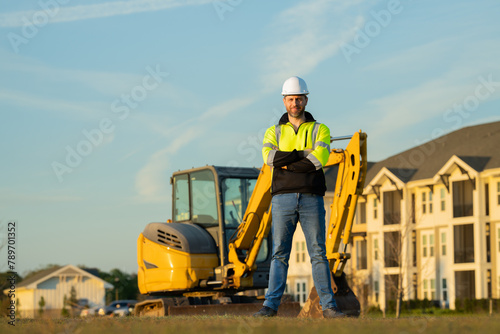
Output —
(64, 311)
(41, 303)
(125, 285)
(18, 307)
(400, 252)
(73, 301)
(5, 283)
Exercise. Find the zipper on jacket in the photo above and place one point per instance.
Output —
(305, 141)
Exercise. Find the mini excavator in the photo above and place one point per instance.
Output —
(218, 243)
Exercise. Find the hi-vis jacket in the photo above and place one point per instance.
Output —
(284, 147)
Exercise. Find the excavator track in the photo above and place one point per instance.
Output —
(161, 307)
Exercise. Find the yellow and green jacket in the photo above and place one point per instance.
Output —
(283, 146)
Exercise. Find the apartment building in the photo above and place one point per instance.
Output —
(428, 223)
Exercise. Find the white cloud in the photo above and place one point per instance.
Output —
(9, 195)
(306, 35)
(108, 9)
(62, 107)
(152, 180)
(437, 93)
(226, 108)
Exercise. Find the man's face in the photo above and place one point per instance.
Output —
(295, 105)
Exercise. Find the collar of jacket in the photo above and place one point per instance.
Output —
(284, 119)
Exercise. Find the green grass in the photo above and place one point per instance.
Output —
(248, 325)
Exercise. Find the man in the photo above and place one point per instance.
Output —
(297, 149)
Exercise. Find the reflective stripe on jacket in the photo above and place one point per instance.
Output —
(283, 146)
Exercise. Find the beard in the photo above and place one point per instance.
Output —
(296, 113)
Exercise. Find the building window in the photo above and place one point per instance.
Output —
(375, 249)
(430, 289)
(498, 236)
(487, 199)
(361, 262)
(301, 292)
(391, 287)
(462, 199)
(498, 193)
(465, 284)
(431, 245)
(443, 199)
(375, 203)
(361, 213)
(413, 219)
(392, 249)
(427, 202)
(424, 245)
(301, 251)
(424, 202)
(445, 290)
(375, 288)
(427, 244)
(414, 247)
(463, 243)
(415, 285)
(297, 251)
(430, 201)
(488, 242)
(443, 243)
(488, 282)
(392, 207)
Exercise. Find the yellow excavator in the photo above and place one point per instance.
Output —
(218, 243)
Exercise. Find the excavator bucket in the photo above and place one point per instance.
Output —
(344, 296)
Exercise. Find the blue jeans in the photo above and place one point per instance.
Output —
(287, 210)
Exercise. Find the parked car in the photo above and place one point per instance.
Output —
(124, 311)
(118, 305)
(91, 311)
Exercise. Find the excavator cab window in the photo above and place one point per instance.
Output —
(236, 193)
(181, 198)
(195, 198)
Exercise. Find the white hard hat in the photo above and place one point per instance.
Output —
(294, 86)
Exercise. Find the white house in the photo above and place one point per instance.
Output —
(55, 283)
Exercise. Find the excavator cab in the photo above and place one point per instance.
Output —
(190, 253)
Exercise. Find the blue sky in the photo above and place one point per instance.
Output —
(144, 88)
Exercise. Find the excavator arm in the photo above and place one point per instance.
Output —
(251, 232)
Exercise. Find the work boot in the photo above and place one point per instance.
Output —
(333, 312)
(265, 312)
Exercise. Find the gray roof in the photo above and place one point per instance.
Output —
(478, 146)
(48, 272)
(38, 276)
